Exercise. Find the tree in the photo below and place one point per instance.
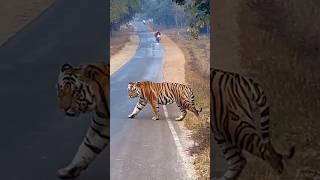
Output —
(122, 11)
(200, 12)
(163, 12)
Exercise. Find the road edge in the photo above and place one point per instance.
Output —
(182, 140)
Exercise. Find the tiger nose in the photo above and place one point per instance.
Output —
(64, 106)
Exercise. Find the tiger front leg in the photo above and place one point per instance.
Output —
(155, 109)
(85, 155)
(71, 171)
(93, 144)
(139, 106)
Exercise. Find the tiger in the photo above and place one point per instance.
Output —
(240, 122)
(162, 94)
(84, 89)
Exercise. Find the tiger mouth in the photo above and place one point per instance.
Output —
(71, 114)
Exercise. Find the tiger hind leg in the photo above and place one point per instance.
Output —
(275, 159)
(235, 160)
(183, 113)
(195, 111)
(255, 144)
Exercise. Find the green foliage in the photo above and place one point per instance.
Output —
(117, 10)
(200, 12)
(123, 10)
(163, 12)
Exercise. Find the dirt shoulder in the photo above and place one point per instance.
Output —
(15, 14)
(174, 61)
(174, 71)
(187, 62)
(197, 63)
(123, 47)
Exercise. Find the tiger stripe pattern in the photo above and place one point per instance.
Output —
(240, 122)
(84, 89)
(162, 94)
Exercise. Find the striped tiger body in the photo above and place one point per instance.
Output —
(240, 121)
(162, 94)
(84, 89)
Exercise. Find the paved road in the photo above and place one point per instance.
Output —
(141, 149)
(36, 139)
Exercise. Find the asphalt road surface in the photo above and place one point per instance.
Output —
(141, 148)
(36, 139)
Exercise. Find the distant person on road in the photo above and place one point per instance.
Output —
(144, 22)
(157, 36)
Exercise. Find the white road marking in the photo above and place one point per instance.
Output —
(177, 143)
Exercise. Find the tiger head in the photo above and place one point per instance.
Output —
(134, 89)
(73, 97)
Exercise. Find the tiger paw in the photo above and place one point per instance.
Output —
(178, 119)
(131, 116)
(69, 173)
(155, 118)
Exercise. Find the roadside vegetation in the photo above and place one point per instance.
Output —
(197, 55)
(280, 43)
(118, 40)
(121, 13)
(192, 16)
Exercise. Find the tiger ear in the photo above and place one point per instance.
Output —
(138, 83)
(65, 67)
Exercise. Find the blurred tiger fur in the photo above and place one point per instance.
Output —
(162, 94)
(85, 89)
(236, 102)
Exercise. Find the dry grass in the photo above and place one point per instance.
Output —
(280, 43)
(15, 14)
(118, 41)
(197, 76)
